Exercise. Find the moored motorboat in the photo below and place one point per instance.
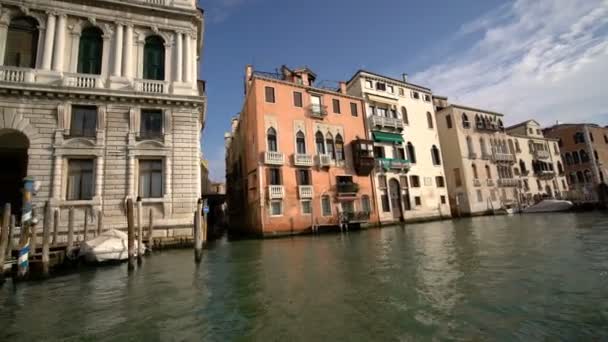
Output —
(111, 245)
(548, 206)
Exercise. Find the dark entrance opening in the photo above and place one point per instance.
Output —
(395, 192)
(13, 168)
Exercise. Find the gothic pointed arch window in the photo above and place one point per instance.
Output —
(488, 172)
(478, 121)
(575, 158)
(329, 144)
(411, 153)
(588, 176)
(21, 43)
(522, 167)
(319, 141)
(579, 177)
(568, 158)
(435, 155)
(300, 143)
(154, 58)
(429, 120)
(90, 51)
(404, 116)
(465, 121)
(470, 147)
(474, 168)
(482, 146)
(271, 139)
(339, 147)
(560, 167)
(584, 156)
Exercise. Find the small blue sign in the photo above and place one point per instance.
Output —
(206, 209)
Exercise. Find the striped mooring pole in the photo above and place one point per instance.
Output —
(22, 260)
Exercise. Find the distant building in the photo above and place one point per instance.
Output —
(217, 188)
(297, 156)
(539, 167)
(409, 177)
(99, 110)
(584, 149)
(205, 181)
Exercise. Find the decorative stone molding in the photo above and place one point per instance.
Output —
(16, 121)
(24, 9)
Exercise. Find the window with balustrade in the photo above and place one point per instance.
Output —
(274, 176)
(303, 177)
(329, 145)
(21, 43)
(83, 122)
(271, 139)
(90, 51)
(154, 58)
(339, 147)
(300, 143)
(319, 140)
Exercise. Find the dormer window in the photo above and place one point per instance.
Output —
(380, 86)
(416, 95)
(369, 84)
(427, 98)
(390, 89)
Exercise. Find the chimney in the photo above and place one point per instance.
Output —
(404, 76)
(343, 87)
(248, 74)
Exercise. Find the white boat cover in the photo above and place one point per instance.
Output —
(111, 245)
(548, 205)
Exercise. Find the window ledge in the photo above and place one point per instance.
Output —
(77, 203)
(154, 200)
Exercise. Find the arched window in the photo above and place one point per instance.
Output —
(517, 148)
(572, 178)
(595, 155)
(488, 172)
(530, 146)
(366, 204)
(300, 143)
(435, 155)
(560, 167)
(90, 51)
(406, 120)
(575, 158)
(429, 120)
(511, 147)
(339, 147)
(470, 145)
(411, 153)
(522, 167)
(154, 58)
(588, 176)
(465, 121)
(21, 43)
(500, 125)
(271, 138)
(478, 121)
(579, 177)
(474, 167)
(320, 143)
(568, 158)
(584, 156)
(482, 146)
(329, 143)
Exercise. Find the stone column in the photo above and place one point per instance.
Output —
(48, 41)
(118, 52)
(140, 42)
(57, 172)
(194, 63)
(60, 43)
(131, 175)
(75, 40)
(187, 61)
(128, 62)
(167, 180)
(99, 177)
(3, 33)
(178, 56)
(105, 56)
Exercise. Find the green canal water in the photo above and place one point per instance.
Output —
(527, 278)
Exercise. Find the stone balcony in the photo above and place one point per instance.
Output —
(472, 155)
(503, 158)
(305, 191)
(486, 156)
(324, 160)
(507, 182)
(384, 123)
(83, 81)
(276, 192)
(151, 86)
(541, 154)
(317, 111)
(490, 182)
(302, 159)
(476, 182)
(274, 158)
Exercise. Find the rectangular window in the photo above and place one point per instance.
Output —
(415, 181)
(401, 92)
(366, 205)
(448, 121)
(269, 94)
(303, 177)
(276, 208)
(348, 206)
(417, 200)
(403, 181)
(457, 178)
(326, 206)
(440, 182)
(416, 95)
(151, 178)
(400, 153)
(274, 176)
(427, 98)
(379, 151)
(385, 206)
(479, 196)
(380, 86)
(336, 105)
(382, 181)
(390, 89)
(442, 199)
(151, 125)
(80, 179)
(369, 84)
(84, 121)
(371, 110)
(353, 109)
(381, 112)
(306, 207)
(297, 99)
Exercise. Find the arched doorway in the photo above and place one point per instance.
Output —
(13, 158)
(395, 193)
(548, 191)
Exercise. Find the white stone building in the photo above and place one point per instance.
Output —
(409, 178)
(100, 101)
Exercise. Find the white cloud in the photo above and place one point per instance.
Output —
(546, 60)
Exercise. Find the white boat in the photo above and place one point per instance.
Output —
(111, 245)
(548, 206)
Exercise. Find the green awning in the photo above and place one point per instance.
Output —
(388, 137)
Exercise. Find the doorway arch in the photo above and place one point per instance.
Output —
(14, 146)
(395, 196)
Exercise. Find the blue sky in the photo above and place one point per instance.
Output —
(546, 59)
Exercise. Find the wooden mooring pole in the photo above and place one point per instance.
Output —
(55, 226)
(11, 231)
(70, 228)
(204, 223)
(85, 234)
(99, 222)
(33, 234)
(131, 234)
(46, 235)
(4, 236)
(140, 231)
(198, 241)
(150, 229)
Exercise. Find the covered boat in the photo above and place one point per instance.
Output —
(548, 206)
(111, 245)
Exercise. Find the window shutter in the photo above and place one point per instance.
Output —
(134, 120)
(101, 118)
